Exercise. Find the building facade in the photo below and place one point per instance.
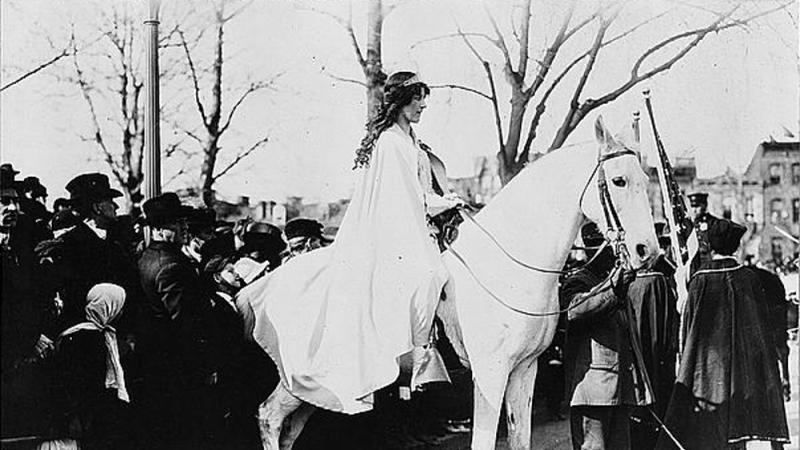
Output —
(766, 198)
(774, 173)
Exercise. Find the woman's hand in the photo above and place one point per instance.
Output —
(455, 200)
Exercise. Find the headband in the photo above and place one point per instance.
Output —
(413, 80)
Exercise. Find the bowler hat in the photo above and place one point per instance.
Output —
(165, 209)
(8, 168)
(305, 228)
(92, 187)
(263, 236)
(32, 184)
(8, 183)
(698, 199)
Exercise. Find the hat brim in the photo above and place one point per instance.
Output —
(184, 212)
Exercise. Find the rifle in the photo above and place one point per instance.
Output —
(674, 206)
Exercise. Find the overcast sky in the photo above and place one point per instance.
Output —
(733, 91)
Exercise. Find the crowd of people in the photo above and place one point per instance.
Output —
(118, 342)
(125, 332)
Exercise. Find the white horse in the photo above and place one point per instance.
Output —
(536, 218)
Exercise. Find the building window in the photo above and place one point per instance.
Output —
(775, 173)
(749, 206)
(776, 210)
(795, 210)
(796, 173)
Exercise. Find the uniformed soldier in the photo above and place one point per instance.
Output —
(702, 221)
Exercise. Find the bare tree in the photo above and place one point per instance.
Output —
(108, 73)
(370, 61)
(215, 116)
(535, 85)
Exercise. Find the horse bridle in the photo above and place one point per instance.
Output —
(613, 225)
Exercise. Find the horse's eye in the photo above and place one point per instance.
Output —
(619, 181)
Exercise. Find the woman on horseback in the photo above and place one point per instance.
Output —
(337, 320)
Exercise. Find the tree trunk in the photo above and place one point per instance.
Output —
(207, 170)
(373, 70)
(510, 165)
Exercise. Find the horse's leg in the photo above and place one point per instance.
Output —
(519, 404)
(271, 414)
(485, 417)
(295, 425)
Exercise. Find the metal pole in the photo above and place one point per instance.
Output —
(152, 134)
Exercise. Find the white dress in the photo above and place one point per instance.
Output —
(335, 320)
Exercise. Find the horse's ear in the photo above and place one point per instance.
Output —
(600, 131)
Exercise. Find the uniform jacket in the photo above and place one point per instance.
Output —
(600, 364)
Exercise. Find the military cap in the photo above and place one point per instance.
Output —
(698, 199)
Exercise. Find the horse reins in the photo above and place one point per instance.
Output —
(613, 223)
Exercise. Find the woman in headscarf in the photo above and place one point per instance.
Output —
(337, 320)
(91, 380)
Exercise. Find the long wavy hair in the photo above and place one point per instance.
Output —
(398, 92)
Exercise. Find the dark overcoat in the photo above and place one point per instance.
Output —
(727, 389)
(78, 260)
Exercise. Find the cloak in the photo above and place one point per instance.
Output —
(335, 320)
(727, 390)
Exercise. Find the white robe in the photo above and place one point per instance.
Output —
(335, 320)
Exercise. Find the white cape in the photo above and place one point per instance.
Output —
(335, 320)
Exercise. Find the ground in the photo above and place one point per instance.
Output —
(398, 427)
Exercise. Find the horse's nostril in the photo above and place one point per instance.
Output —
(641, 250)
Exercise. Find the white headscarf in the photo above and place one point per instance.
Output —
(104, 303)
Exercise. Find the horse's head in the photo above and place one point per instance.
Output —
(627, 188)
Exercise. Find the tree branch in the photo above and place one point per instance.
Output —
(195, 81)
(513, 76)
(241, 156)
(254, 87)
(97, 137)
(463, 88)
(343, 79)
(493, 98)
(550, 54)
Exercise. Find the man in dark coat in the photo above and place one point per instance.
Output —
(728, 391)
(653, 297)
(180, 345)
(84, 256)
(23, 387)
(701, 221)
(603, 382)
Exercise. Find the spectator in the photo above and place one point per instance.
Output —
(200, 232)
(304, 235)
(61, 204)
(728, 392)
(90, 378)
(181, 349)
(23, 342)
(64, 221)
(84, 256)
(263, 242)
